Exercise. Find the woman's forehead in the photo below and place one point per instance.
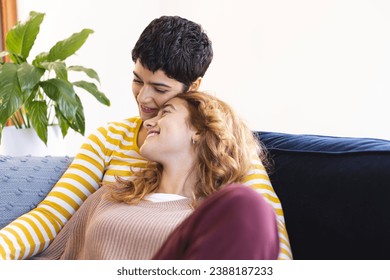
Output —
(177, 103)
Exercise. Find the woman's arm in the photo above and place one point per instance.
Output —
(257, 178)
(31, 233)
(69, 242)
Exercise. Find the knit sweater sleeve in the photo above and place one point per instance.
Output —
(75, 227)
(257, 178)
(31, 233)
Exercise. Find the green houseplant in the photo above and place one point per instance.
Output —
(38, 94)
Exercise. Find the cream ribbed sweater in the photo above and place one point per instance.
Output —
(104, 229)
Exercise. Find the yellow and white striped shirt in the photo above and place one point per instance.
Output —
(111, 151)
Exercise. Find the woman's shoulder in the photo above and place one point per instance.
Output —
(127, 128)
(130, 124)
(100, 195)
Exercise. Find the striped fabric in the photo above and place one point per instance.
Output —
(258, 180)
(108, 152)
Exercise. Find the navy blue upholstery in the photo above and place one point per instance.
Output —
(335, 193)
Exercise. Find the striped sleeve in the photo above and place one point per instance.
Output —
(75, 227)
(31, 233)
(257, 178)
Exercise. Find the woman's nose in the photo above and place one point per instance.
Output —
(144, 94)
(150, 123)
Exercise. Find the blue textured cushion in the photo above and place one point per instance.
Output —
(25, 181)
(335, 193)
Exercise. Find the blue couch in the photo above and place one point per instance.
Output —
(335, 192)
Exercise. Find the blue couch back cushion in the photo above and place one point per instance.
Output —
(335, 192)
(25, 181)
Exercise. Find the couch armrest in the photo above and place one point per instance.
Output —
(25, 181)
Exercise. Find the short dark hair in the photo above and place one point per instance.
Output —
(177, 46)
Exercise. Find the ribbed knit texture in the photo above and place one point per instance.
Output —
(104, 229)
(111, 151)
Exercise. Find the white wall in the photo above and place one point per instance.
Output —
(302, 66)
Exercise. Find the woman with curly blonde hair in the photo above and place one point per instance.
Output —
(187, 203)
(223, 143)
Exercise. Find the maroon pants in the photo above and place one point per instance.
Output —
(234, 223)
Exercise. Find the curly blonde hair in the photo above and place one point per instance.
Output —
(225, 149)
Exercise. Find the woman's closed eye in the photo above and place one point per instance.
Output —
(166, 109)
(137, 81)
(160, 90)
(164, 112)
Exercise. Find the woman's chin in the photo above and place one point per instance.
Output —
(146, 151)
(143, 151)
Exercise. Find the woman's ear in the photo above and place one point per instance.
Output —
(195, 85)
(196, 137)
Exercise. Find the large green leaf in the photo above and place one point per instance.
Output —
(10, 93)
(59, 68)
(29, 76)
(89, 71)
(21, 37)
(63, 49)
(40, 59)
(37, 113)
(63, 94)
(62, 122)
(91, 88)
(79, 122)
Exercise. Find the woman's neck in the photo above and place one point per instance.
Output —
(179, 181)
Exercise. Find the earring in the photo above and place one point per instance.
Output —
(193, 141)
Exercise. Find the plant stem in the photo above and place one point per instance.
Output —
(21, 117)
(50, 106)
(26, 120)
(15, 121)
